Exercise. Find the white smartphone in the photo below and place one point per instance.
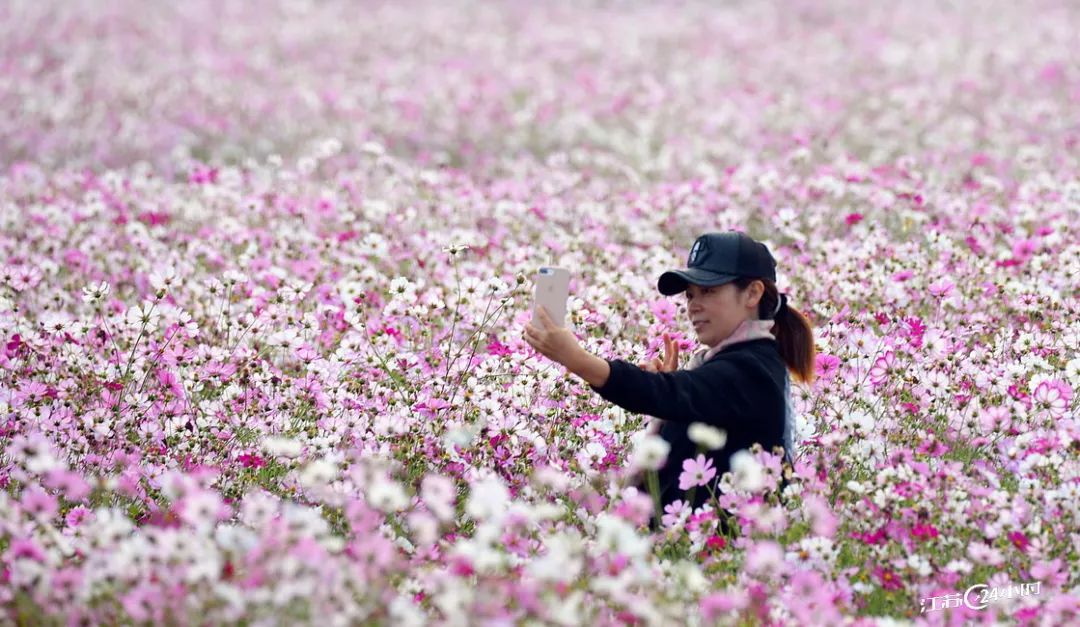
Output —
(551, 289)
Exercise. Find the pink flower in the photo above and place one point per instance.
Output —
(673, 512)
(696, 472)
(24, 548)
(1023, 249)
(823, 521)
(72, 484)
(1050, 572)
(827, 366)
(25, 278)
(143, 603)
(995, 418)
(77, 516)
(39, 503)
(882, 368)
(635, 507)
(664, 310)
(764, 558)
(941, 288)
(1052, 398)
(718, 603)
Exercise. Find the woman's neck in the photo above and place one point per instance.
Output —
(747, 330)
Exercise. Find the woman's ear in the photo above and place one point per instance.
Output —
(756, 291)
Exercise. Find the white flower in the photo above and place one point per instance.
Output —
(617, 536)
(56, 323)
(329, 147)
(746, 472)
(488, 499)
(959, 566)
(387, 495)
(319, 472)
(650, 451)
(403, 287)
(438, 494)
(144, 316)
(860, 421)
(404, 612)
(372, 148)
(163, 279)
(593, 453)
(551, 477)
(293, 291)
(95, 292)
(920, 565)
(306, 165)
(455, 249)
(1072, 371)
(708, 436)
(462, 436)
(283, 447)
(561, 562)
(689, 576)
(424, 527)
(200, 509)
(258, 507)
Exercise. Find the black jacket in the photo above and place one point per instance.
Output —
(739, 390)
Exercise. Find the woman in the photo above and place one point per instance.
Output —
(739, 384)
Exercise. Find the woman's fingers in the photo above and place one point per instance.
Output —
(671, 354)
(670, 360)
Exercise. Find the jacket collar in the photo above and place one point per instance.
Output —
(747, 331)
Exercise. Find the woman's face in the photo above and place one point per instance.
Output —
(715, 312)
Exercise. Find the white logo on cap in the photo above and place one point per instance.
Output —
(694, 253)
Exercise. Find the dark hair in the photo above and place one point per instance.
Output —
(793, 331)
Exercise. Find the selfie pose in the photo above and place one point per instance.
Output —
(738, 383)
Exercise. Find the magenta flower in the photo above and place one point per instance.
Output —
(1019, 540)
(889, 580)
(696, 472)
(924, 531)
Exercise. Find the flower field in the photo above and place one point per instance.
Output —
(266, 267)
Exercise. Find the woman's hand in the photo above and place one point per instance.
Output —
(552, 341)
(559, 344)
(669, 363)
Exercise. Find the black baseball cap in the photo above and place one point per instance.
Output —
(719, 258)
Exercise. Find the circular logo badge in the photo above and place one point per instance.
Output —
(967, 597)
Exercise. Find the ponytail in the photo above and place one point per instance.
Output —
(793, 332)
